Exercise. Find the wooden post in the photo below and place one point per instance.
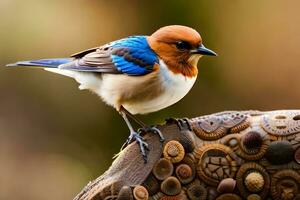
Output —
(229, 155)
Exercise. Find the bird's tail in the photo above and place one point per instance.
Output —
(52, 65)
(43, 63)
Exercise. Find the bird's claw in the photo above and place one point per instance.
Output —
(154, 130)
(141, 142)
(136, 136)
(143, 146)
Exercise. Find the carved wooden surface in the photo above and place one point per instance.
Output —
(230, 155)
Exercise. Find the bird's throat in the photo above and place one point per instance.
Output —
(187, 68)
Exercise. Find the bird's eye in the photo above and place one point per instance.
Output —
(182, 45)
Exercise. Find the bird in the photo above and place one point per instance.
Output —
(138, 74)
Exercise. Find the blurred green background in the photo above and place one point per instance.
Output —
(55, 138)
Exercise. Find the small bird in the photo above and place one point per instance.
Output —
(137, 74)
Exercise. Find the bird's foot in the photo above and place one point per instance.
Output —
(136, 136)
(154, 130)
(141, 142)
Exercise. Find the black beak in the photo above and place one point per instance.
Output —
(203, 51)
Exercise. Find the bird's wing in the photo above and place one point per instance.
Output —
(84, 52)
(131, 56)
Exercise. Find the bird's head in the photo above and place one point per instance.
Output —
(180, 47)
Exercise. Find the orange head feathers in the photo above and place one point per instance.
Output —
(180, 47)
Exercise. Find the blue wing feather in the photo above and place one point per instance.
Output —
(138, 50)
(127, 67)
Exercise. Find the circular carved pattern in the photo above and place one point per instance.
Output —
(163, 169)
(190, 161)
(281, 123)
(184, 173)
(254, 182)
(196, 191)
(236, 122)
(140, 193)
(208, 128)
(174, 151)
(214, 127)
(216, 162)
(285, 185)
(252, 153)
(171, 186)
(252, 140)
(244, 172)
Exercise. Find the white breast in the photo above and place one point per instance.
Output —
(174, 88)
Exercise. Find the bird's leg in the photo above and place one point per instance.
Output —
(144, 128)
(134, 136)
(139, 122)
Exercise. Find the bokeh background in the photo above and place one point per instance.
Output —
(55, 138)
